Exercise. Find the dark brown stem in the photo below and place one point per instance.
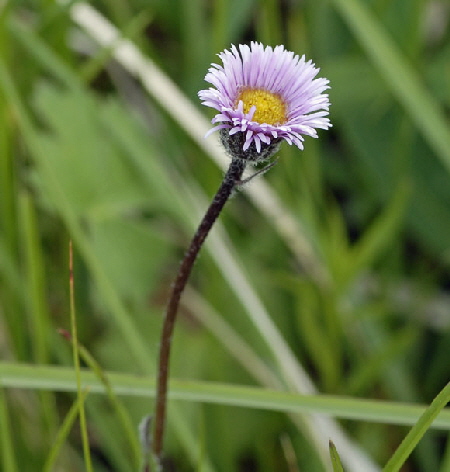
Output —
(231, 180)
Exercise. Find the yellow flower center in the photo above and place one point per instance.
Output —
(270, 107)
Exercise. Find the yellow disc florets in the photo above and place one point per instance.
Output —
(270, 108)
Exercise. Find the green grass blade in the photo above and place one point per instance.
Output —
(76, 361)
(418, 430)
(35, 280)
(38, 317)
(8, 460)
(400, 76)
(63, 432)
(335, 459)
(62, 379)
(120, 411)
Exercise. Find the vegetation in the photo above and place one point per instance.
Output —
(328, 274)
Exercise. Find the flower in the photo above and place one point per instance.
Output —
(265, 95)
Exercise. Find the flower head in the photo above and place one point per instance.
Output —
(264, 96)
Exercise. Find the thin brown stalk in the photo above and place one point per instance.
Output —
(231, 180)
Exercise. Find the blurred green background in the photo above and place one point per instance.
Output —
(348, 276)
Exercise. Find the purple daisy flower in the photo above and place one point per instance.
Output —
(264, 96)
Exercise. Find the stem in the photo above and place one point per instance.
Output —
(231, 179)
(76, 362)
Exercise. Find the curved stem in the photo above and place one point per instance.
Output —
(231, 180)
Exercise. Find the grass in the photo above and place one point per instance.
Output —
(323, 289)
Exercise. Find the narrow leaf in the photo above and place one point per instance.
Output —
(335, 459)
(418, 430)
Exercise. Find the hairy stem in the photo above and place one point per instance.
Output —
(231, 179)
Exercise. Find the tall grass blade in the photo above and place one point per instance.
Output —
(335, 459)
(76, 361)
(8, 459)
(418, 430)
(63, 432)
(400, 76)
(61, 379)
